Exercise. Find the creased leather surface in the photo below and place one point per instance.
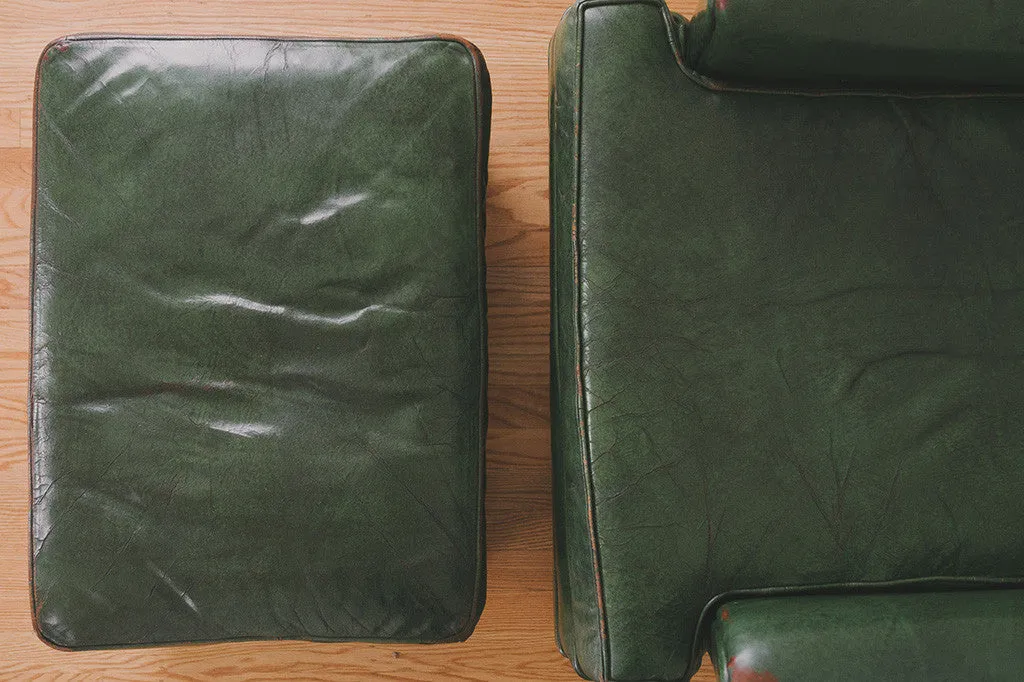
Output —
(258, 368)
(576, 596)
(798, 324)
(909, 44)
(923, 637)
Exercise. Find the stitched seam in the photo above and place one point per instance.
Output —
(88, 37)
(582, 410)
(555, 305)
(714, 85)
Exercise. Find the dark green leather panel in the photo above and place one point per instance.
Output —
(922, 637)
(864, 42)
(259, 362)
(800, 332)
(576, 596)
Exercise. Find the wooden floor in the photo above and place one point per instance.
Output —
(514, 640)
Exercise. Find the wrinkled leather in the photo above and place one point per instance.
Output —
(864, 42)
(259, 364)
(917, 637)
(787, 341)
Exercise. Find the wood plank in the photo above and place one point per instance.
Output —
(10, 126)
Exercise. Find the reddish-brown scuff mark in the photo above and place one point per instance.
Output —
(721, 5)
(725, 615)
(741, 674)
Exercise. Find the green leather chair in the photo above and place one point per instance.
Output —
(259, 364)
(788, 339)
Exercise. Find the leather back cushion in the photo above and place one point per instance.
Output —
(905, 43)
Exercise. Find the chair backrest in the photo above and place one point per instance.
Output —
(856, 42)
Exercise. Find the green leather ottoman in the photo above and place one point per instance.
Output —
(788, 332)
(258, 360)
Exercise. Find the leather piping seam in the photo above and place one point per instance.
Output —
(166, 37)
(553, 280)
(931, 584)
(584, 422)
(479, 68)
(30, 398)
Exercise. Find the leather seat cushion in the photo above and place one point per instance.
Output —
(258, 369)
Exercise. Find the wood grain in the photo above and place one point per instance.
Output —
(514, 640)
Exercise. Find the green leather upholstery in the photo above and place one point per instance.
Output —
(787, 341)
(914, 637)
(259, 365)
(901, 44)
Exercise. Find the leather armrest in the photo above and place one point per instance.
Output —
(925, 637)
